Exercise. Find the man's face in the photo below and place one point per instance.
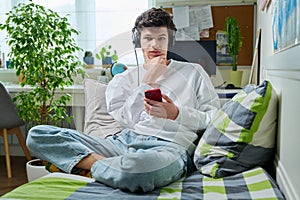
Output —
(154, 41)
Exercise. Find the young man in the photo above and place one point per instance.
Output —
(156, 145)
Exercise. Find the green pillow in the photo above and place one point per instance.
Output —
(241, 135)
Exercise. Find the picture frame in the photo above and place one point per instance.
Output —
(222, 55)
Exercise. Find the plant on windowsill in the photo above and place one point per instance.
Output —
(107, 55)
(43, 52)
(88, 59)
(234, 44)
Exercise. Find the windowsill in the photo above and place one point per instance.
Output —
(8, 75)
(4, 70)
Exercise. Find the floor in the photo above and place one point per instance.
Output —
(18, 166)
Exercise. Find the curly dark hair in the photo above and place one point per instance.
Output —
(155, 17)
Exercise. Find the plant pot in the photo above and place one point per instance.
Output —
(107, 62)
(89, 60)
(35, 169)
(235, 78)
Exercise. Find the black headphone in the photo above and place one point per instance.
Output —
(136, 38)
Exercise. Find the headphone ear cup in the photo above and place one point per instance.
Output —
(171, 38)
(136, 38)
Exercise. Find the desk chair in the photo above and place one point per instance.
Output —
(10, 123)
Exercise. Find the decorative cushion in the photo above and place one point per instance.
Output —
(241, 135)
(97, 121)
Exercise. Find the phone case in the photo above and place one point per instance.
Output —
(154, 94)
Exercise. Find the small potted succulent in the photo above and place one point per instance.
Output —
(88, 59)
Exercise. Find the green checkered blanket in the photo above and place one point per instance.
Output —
(251, 184)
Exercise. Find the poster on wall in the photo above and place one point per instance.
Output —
(285, 24)
(223, 57)
(192, 23)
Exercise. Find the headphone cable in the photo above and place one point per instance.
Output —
(137, 63)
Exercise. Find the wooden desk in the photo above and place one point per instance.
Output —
(77, 102)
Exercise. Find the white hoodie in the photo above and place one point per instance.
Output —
(189, 87)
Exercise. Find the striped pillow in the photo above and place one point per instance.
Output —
(241, 135)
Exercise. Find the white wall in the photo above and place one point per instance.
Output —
(283, 70)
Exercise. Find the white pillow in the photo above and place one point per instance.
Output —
(97, 121)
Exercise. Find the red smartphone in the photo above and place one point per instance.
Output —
(154, 94)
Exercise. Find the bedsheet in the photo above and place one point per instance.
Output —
(252, 184)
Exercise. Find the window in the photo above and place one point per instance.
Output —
(99, 21)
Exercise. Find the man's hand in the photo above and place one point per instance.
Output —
(155, 67)
(166, 109)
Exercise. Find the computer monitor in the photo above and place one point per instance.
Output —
(202, 52)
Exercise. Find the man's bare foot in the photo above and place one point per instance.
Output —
(87, 162)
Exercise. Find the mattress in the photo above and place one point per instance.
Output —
(252, 184)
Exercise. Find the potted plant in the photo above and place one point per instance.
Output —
(43, 52)
(107, 55)
(234, 44)
(88, 59)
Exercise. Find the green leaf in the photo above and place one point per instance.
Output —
(234, 38)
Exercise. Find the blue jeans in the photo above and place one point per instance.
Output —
(134, 162)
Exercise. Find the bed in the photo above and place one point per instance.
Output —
(251, 184)
(228, 158)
